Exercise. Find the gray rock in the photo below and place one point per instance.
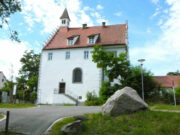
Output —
(72, 128)
(125, 100)
(81, 117)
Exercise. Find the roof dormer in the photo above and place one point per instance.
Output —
(72, 40)
(65, 20)
(92, 39)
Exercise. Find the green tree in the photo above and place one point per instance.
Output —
(7, 8)
(119, 68)
(8, 87)
(150, 86)
(177, 91)
(174, 73)
(28, 79)
(112, 66)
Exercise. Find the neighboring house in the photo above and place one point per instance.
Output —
(167, 82)
(67, 71)
(2, 79)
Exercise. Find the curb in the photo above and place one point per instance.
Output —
(38, 106)
(157, 110)
(3, 118)
(60, 119)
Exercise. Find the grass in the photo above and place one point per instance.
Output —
(56, 129)
(68, 104)
(139, 123)
(166, 107)
(6, 105)
(1, 116)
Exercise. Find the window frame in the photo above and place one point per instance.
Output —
(86, 54)
(71, 41)
(91, 39)
(67, 55)
(63, 21)
(73, 75)
(50, 56)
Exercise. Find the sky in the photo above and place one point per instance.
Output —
(153, 29)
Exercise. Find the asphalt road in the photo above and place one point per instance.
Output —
(34, 121)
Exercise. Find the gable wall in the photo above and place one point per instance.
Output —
(60, 70)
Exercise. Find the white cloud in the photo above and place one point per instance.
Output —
(48, 12)
(163, 54)
(99, 18)
(10, 54)
(156, 13)
(118, 14)
(99, 7)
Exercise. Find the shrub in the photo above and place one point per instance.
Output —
(93, 99)
(33, 96)
(167, 96)
(177, 91)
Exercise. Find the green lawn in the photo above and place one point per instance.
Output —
(6, 105)
(166, 107)
(139, 123)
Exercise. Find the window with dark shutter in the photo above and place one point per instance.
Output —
(77, 75)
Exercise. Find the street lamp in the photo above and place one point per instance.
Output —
(141, 61)
(173, 90)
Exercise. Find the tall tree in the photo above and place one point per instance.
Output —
(7, 8)
(28, 79)
(118, 68)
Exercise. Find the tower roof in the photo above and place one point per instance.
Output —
(65, 14)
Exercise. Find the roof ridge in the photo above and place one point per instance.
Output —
(95, 26)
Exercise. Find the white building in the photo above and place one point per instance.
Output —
(67, 71)
(2, 79)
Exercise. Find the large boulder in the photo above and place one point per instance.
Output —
(125, 100)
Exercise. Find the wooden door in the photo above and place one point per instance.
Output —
(62, 87)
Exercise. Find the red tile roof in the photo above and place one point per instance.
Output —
(166, 81)
(109, 35)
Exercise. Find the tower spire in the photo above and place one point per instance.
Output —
(65, 20)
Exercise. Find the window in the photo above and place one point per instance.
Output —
(77, 75)
(70, 41)
(63, 21)
(86, 54)
(113, 52)
(50, 56)
(68, 55)
(93, 39)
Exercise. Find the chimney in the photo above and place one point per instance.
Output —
(104, 24)
(84, 26)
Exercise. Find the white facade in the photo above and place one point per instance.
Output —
(59, 69)
(2, 79)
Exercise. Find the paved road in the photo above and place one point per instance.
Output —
(34, 121)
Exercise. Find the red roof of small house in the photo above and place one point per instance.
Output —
(166, 81)
(108, 35)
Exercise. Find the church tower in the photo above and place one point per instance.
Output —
(65, 20)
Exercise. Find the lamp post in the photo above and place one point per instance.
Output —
(141, 62)
(173, 90)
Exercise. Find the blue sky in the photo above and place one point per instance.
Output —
(153, 29)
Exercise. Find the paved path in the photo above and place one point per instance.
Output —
(34, 121)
